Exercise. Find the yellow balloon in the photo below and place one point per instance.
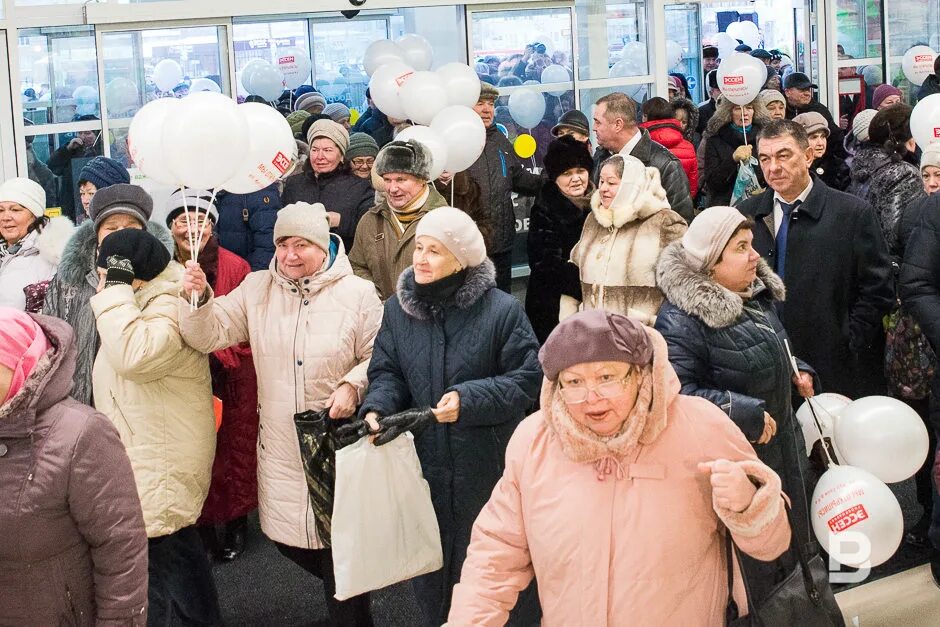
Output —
(353, 116)
(525, 146)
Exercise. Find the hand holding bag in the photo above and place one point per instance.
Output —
(746, 184)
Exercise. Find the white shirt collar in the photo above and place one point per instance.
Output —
(630, 145)
(802, 197)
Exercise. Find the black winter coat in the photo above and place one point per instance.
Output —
(554, 228)
(499, 173)
(375, 124)
(480, 345)
(836, 134)
(832, 169)
(246, 224)
(929, 87)
(839, 286)
(340, 191)
(721, 170)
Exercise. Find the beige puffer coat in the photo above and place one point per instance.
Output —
(307, 337)
(157, 392)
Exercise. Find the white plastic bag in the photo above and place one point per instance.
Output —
(384, 527)
(746, 184)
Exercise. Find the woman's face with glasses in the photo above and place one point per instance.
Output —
(362, 166)
(600, 395)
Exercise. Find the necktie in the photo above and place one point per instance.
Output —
(782, 233)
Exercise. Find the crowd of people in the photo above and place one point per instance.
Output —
(151, 371)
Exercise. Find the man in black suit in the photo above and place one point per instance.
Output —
(829, 249)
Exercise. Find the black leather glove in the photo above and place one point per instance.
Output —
(352, 432)
(120, 272)
(408, 420)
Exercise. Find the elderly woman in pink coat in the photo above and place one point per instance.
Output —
(619, 470)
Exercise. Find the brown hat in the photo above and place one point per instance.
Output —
(812, 122)
(595, 335)
(488, 91)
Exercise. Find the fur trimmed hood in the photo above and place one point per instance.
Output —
(479, 281)
(78, 255)
(641, 195)
(53, 239)
(695, 293)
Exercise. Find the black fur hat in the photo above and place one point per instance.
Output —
(565, 153)
(410, 157)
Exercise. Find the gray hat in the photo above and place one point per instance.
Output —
(333, 131)
(766, 96)
(488, 91)
(812, 122)
(182, 201)
(361, 145)
(408, 157)
(309, 100)
(131, 200)
(337, 111)
(573, 120)
(861, 123)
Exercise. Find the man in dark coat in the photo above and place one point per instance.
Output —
(828, 248)
(707, 109)
(798, 90)
(615, 124)
(246, 224)
(931, 84)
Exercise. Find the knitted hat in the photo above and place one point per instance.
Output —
(861, 123)
(361, 145)
(565, 153)
(766, 96)
(301, 219)
(332, 131)
(931, 156)
(674, 84)
(883, 91)
(409, 157)
(709, 234)
(488, 91)
(121, 198)
(812, 122)
(181, 202)
(457, 232)
(337, 111)
(25, 192)
(103, 172)
(308, 101)
(23, 344)
(595, 335)
(148, 256)
(296, 121)
(574, 120)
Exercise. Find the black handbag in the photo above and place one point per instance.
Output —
(803, 598)
(316, 435)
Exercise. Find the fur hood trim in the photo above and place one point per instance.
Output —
(53, 238)
(479, 281)
(695, 293)
(78, 256)
(641, 195)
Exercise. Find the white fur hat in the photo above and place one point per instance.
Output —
(25, 192)
(457, 231)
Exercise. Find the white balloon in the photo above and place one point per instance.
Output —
(673, 54)
(434, 142)
(266, 81)
(382, 52)
(249, 69)
(122, 94)
(624, 68)
(145, 139)
(918, 63)
(828, 406)
(272, 150)
(384, 86)
(556, 74)
(740, 78)
(635, 54)
(726, 45)
(527, 107)
(735, 30)
(851, 505)
(750, 34)
(422, 97)
(294, 65)
(925, 121)
(417, 51)
(202, 121)
(167, 74)
(465, 134)
(461, 84)
(86, 100)
(883, 436)
(204, 84)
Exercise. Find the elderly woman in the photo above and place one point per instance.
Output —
(361, 155)
(827, 165)
(630, 223)
(930, 168)
(339, 113)
(774, 102)
(730, 140)
(617, 495)
(310, 324)
(233, 493)
(73, 545)
(456, 347)
(97, 174)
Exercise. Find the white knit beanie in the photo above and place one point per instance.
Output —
(25, 192)
(861, 122)
(301, 219)
(709, 234)
(930, 156)
(457, 232)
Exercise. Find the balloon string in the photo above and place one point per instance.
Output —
(809, 401)
(453, 187)
(189, 237)
(744, 130)
(202, 228)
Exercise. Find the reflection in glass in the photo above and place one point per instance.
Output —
(609, 32)
(58, 74)
(261, 40)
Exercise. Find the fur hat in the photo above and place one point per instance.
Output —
(332, 131)
(709, 234)
(182, 201)
(103, 172)
(148, 256)
(409, 157)
(457, 231)
(308, 101)
(861, 123)
(128, 199)
(488, 91)
(25, 192)
(337, 111)
(301, 219)
(361, 145)
(565, 153)
(595, 335)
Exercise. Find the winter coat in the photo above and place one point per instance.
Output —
(72, 539)
(480, 345)
(246, 224)
(930, 86)
(911, 215)
(499, 173)
(307, 337)
(674, 179)
(832, 169)
(643, 545)
(888, 186)
(617, 252)
(375, 124)
(234, 488)
(340, 191)
(75, 282)
(466, 197)
(555, 226)
(157, 392)
(30, 261)
(721, 170)
(379, 255)
(66, 165)
(836, 134)
(668, 133)
(705, 112)
(839, 286)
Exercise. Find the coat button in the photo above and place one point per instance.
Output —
(306, 302)
(300, 362)
(3, 449)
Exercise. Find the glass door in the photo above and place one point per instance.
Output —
(684, 46)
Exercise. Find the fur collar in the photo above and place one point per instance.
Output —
(697, 294)
(480, 279)
(78, 256)
(641, 195)
(53, 238)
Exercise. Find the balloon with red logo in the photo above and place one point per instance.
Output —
(918, 63)
(925, 121)
(294, 65)
(740, 78)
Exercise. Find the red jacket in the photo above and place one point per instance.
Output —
(669, 134)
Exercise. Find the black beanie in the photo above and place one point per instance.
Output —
(565, 153)
(147, 255)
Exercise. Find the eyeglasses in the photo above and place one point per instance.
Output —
(362, 162)
(185, 222)
(608, 389)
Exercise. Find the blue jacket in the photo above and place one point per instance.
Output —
(246, 224)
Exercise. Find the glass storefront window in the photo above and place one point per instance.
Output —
(910, 24)
(338, 50)
(608, 32)
(260, 40)
(682, 30)
(858, 27)
(58, 74)
(441, 26)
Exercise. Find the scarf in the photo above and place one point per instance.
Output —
(440, 291)
(409, 213)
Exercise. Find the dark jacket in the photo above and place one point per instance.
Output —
(832, 169)
(721, 170)
(480, 345)
(340, 191)
(668, 133)
(911, 216)
(375, 124)
(554, 228)
(499, 173)
(72, 539)
(839, 286)
(66, 164)
(930, 86)
(705, 112)
(836, 135)
(246, 224)
(674, 179)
